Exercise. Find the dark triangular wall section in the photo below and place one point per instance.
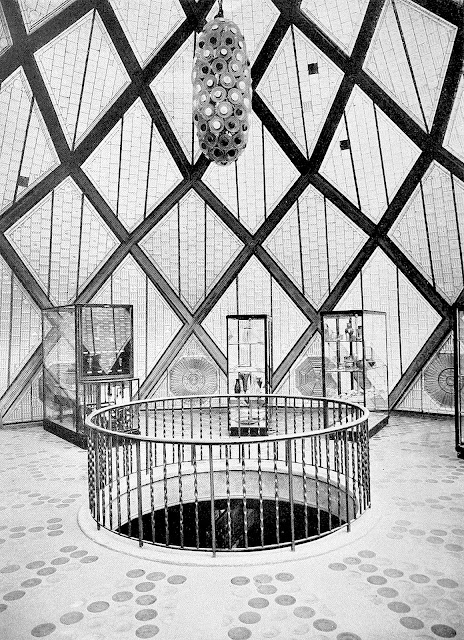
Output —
(353, 172)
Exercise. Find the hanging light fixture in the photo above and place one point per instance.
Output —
(221, 90)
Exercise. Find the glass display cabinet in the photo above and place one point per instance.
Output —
(458, 381)
(354, 357)
(249, 372)
(87, 364)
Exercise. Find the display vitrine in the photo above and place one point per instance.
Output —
(87, 364)
(354, 357)
(458, 379)
(249, 371)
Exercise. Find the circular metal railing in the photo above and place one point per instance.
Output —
(227, 473)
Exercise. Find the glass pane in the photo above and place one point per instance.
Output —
(106, 341)
(59, 384)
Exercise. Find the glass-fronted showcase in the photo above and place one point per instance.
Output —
(87, 364)
(249, 372)
(458, 379)
(354, 357)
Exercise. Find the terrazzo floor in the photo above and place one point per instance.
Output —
(403, 578)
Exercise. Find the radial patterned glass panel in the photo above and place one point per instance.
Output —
(193, 371)
(255, 291)
(253, 186)
(26, 151)
(132, 167)
(63, 241)
(433, 389)
(340, 19)
(191, 247)
(155, 324)
(83, 74)
(299, 86)
(148, 24)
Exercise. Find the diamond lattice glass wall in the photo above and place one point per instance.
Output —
(64, 242)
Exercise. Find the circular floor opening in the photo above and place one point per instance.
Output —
(236, 527)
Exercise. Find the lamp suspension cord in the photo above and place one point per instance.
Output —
(220, 13)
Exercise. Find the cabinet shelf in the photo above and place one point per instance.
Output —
(352, 371)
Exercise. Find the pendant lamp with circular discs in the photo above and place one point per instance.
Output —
(221, 90)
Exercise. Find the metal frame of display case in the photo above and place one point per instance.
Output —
(351, 371)
(459, 381)
(71, 401)
(240, 417)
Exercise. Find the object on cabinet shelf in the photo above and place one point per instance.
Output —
(248, 372)
(357, 359)
(88, 363)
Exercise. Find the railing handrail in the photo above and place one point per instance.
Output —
(261, 439)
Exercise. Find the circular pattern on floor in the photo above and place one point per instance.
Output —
(240, 580)
(249, 617)
(153, 577)
(146, 600)
(285, 600)
(443, 631)
(258, 603)
(147, 631)
(399, 607)
(146, 614)
(145, 586)
(98, 606)
(72, 617)
(304, 612)
(239, 633)
(322, 624)
(42, 630)
(411, 623)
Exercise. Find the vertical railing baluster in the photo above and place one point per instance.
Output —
(152, 494)
(316, 474)
(337, 466)
(328, 469)
(276, 493)
(288, 446)
(347, 483)
(229, 520)
(195, 495)
(138, 460)
(110, 478)
(165, 487)
(213, 511)
(97, 476)
(305, 487)
(181, 500)
(260, 493)
(368, 465)
(244, 501)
